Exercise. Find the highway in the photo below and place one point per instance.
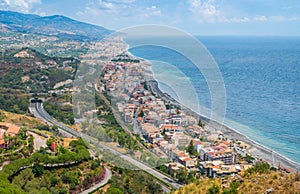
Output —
(38, 111)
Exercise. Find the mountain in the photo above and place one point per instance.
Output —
(56, 25)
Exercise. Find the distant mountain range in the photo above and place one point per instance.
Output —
(56, 25)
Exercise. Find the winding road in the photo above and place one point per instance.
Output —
(38, 111)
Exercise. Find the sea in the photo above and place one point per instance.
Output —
(262, 84)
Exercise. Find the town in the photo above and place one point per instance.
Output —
(165, 129)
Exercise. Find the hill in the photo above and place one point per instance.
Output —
(259, 179)
(56, 25)
(28, 70)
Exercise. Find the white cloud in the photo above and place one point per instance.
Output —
(152, 11)
(205, 11)
(260, 18)
(119, 9)
(19, 5)
(236, 20)
(211, 11)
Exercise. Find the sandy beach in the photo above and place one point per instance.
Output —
(255, 149)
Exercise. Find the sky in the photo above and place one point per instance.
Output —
(198, 17)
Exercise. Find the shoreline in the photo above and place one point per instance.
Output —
(256, 149)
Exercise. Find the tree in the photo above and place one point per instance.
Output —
(200, 123)
(24, 177)
(153, 188)
(191, 149)
(213, 190)
(34, 184)
(181, 175)
(37, 170)
(114, 190)
(141, 114)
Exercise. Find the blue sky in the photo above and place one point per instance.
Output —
(203, 17)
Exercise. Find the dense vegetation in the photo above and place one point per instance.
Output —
(110, 130)
(60, 108)
(19, 146)
(43, 173)
(131, 181)
(34, 72)
(13, 101)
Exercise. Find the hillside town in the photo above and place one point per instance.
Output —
(167, 130)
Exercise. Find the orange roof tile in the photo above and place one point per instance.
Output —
(10, 128)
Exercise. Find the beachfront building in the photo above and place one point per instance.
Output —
(196, 131)
(217, 168)
(217, 153)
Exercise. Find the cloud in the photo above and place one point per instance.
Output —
(205, 10)
(211, 11)
(119, 9)
(261, 18)
(19, 5)
(152, 11)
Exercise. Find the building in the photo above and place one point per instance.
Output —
(171, 128)
(147, 129)
(175, 154)
(7, 129)
(173, 167)
(217, 168)
(217, 153)
(155, 137)
(181, 140)
(188, 162)
(53, 146)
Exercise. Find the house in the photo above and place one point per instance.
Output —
(53, 146)
(155, 137)
(188, 162)
(196, 131)
(173, 167)
(175, 154)
(148, 128)
(7, 129)
(176, 119)
(198, 145)
(217, 168)
(210, 167)
(171, 128)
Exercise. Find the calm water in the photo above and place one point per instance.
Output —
(261, 76)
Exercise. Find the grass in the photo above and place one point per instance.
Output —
(21, 119)
(255, 183)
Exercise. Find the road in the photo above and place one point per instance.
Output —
(38, 111)
(100, 184)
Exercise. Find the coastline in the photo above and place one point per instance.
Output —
(256, 149)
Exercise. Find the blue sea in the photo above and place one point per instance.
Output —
(261, 77)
